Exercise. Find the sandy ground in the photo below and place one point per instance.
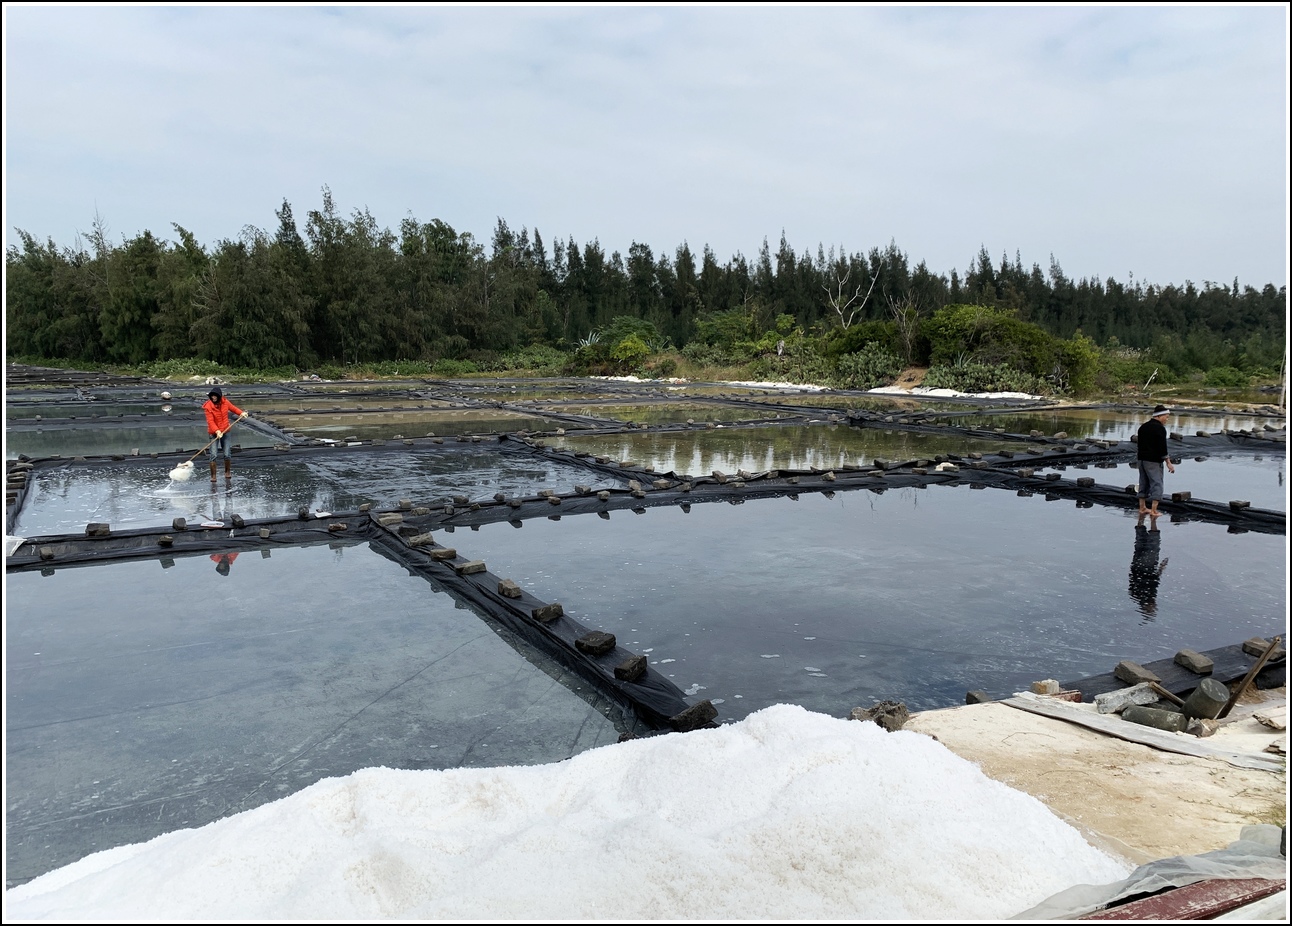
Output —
(1131, 799)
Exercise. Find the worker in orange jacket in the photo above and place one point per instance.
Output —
(217, 409)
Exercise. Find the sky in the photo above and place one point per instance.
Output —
(787, 814)
(1126, 142)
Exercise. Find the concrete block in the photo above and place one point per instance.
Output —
(237, 521)
(48, 552)
(1181, 496)
(554, 499)
(891, 715)
(1256, 646)
(179, 524)
(1113, 702)
(1207, 700)
(264, 533)
(389, 519)
(1239, 505)
(1156, 717)
(630, 670)
(1046, 686)
(595, 643)
(694, 717)
(97, 529)
(444, 553)
(421, 540)
(720, 477)
(1086, 482)
(405, 503)
(1132, 673)
(547, 613)
(469, 568)
(508, 589)
(603, 495)
(1195, 662)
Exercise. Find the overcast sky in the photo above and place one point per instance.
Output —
(1147, 141)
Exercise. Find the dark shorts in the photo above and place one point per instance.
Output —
(1150, 480)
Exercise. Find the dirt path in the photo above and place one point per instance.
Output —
(1134, 800)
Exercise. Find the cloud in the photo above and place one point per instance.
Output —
(1152, 139)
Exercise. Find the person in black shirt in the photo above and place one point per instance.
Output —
(1152, 455)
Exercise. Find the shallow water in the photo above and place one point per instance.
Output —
(825, 446)
(27, 412)
(269, 404)
(143, 698)
(64, 500)
(102, 440)
(665, 413)
(917, 595)
(386, 425)
(1221, 477)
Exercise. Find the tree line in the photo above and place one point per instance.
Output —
(345, 290)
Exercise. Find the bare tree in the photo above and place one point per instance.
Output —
(906, 315)
(835, 296)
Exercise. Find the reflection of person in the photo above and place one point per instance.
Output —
(217, 409)
(223, 562)
(1146, 571)
(1152, 455)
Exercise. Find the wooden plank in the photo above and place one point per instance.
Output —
(1201, 900)
(1113, 725)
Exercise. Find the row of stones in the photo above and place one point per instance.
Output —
(594, 643)
(1197, 713)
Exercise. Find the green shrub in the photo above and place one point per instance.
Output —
(537, 358)
(451, 368)
(867, 368)
(181, 368)
(971, 376)
(1224, 377)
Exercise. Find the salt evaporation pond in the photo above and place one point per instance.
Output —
(756, 449)
(146, 697)
(64, 500)
(917, 595)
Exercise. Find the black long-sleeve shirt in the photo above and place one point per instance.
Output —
(1152, 441)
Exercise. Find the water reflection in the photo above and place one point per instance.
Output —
(224, 562)
(1106, 424)
(699, 452)
(1146, 569)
